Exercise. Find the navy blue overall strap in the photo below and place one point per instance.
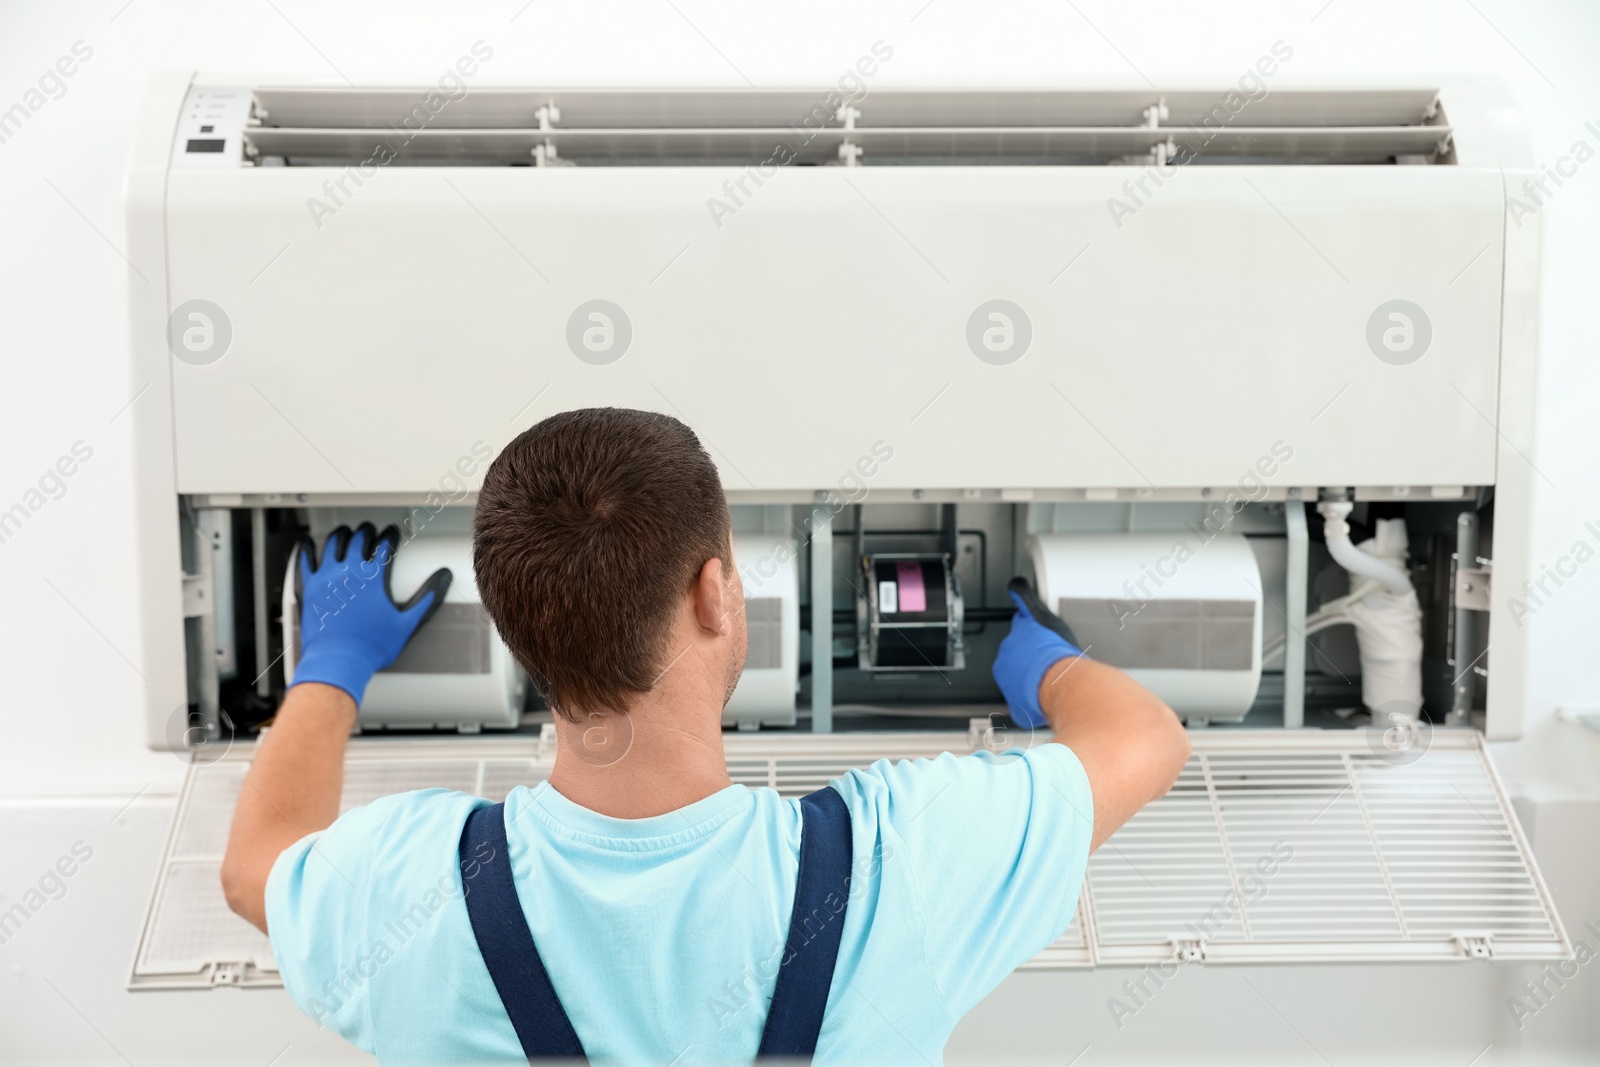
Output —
(805, 976)
(821, 893)
(506, 943)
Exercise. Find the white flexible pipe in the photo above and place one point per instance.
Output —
(1330, 614)
(1337, 533)
(1315, 624)
(1338, 604)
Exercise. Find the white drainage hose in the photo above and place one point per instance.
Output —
(1388, 621)
(1351, 558)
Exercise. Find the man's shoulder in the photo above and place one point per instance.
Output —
(388, 841)
(399, 815)
(933, 805)
(886, 780)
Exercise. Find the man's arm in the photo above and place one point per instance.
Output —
(350, 628)
(292, 790)
(1131, 745)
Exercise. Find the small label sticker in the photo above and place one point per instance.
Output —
(888, 598)
(913, 594)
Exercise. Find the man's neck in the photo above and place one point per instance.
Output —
(664, 754)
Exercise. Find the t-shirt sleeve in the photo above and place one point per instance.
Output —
(317, 901)
(998, 846)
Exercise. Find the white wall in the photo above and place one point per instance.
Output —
(71, 719)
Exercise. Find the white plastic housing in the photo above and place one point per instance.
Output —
(770, 571)
(1136, 575)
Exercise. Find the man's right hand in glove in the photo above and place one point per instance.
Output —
(350, 628)
(350, 625)
(1038, 640)
(1131, 744)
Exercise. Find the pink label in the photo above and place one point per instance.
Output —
(913, 595)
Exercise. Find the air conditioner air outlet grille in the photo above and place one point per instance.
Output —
(931, 128)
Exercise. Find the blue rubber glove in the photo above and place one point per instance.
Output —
(350, 626)
(1038, 641)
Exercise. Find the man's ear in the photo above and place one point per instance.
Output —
(713, 598)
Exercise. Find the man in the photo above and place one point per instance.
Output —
(658, 894)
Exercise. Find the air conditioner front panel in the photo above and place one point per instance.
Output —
(1174, 339)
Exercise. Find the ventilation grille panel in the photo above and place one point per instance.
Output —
(1274, 846)
(1286, 850)
(190, 936)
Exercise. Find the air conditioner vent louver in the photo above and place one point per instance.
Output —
(1274, 846)
(497, 127)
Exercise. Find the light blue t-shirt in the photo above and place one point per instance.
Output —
(662, 936)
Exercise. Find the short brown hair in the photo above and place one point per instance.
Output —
(590, 528)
